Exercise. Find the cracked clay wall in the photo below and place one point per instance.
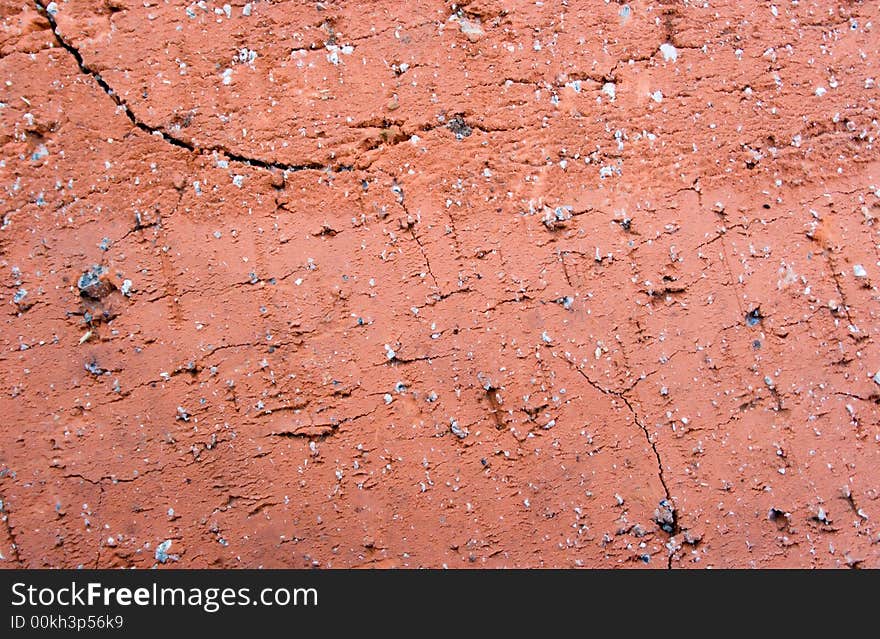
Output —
(384, 284)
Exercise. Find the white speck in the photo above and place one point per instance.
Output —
(246, 55)
(298, 281)
(388, 398)
(389, 352)
(876, 378)
(670, 53)
(546, 338)
(471, 28)
(238, 180)
(820, 91)
(40, 152)
(227, 76)
(859, 271)
(333, 56)
(774, 10)
(52, 8)
(246, 10)
(610, 89)
(126, 287)
(162, 552)
(657, 96)
(456, 429)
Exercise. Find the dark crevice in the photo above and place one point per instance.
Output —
(668, 497)
(660, 475)
(425, 257)
(653, 447)
(159, 131)
(320, 434)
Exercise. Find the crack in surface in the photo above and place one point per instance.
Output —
(159, 131)
(660, 474)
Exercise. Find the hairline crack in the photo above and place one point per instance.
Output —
(159, 131)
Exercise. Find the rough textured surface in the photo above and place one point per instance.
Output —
(416, 284)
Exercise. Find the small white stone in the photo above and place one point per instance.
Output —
(670, 53)
(859, 271)
(610, 89)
